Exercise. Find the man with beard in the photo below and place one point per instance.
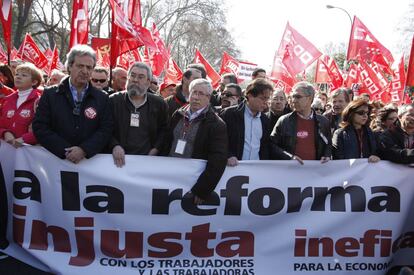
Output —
(140, 117)
(73, 119)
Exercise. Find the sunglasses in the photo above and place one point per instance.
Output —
(361, 113)
(98, 80)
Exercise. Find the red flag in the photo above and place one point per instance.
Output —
(13, 54)
(6, 21)
(54, 62)
(352, 77)
(362, 42)
(281, 74)
(212, 75)
(327, 71)
(369, 79)
(410, 71)
(126, 35)
(48, 53)
(133, 9)
(127, 59)
(80, 23)
(229, 64)
(173, 74)
(30, 52)
(161, 48)
(296, 51)
(321, 73)
(398, 82)
(3, 55)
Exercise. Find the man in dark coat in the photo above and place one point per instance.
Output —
(397, 144)
(73, 120)
(197, 132)
(302, 134)
(140, 117)
(247, 127)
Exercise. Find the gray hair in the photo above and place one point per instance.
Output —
(79, 50)
(201, 81)
(144, 66)
(306, 87)
(317, 103)
(403, 109)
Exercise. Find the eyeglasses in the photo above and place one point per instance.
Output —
(362, 113)
(98, 80)
(297, 96)
(228, 94)
(319, 109)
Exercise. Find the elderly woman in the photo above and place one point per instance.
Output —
(355, 139)
(18, 109)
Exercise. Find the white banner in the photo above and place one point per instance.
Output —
(266, 217)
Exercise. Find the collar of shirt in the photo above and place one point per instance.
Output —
(191, 116)
(250, 113)
(304, 117)
(75, 92)
(25, 92)
(140, 105)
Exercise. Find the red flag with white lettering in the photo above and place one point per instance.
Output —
(281, 76)
(48, 53)
(30, 52)
(173, 74)
(6, 21)
(3, 55)
(398, 82)
(296, 51)
(133, 9)
(212, 75)
(321, 73)
(370, 81)
(229, 64)
(410, 71)
(80, 23)
(352, 77)
(362, 42)
(328, 70)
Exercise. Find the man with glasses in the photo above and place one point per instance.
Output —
(248, 128)
(140, 117)
(100, 80)
(278, 107)
(197, 132)
(231, 95)
(397, 144)
(302, 134)
(73, 120)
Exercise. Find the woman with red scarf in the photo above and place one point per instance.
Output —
(17, 111)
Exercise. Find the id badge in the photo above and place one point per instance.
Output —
(134, 120)
(179, 149)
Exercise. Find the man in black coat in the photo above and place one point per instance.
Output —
(140, 117)
(73, 120)
(197, 132)
(247, 127)
(302, 134)
(397, 144)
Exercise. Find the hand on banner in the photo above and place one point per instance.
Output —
(118, 154)
(74, 154)
(232, 161)
(325, 159)
(153, 152)
(373, 159)
(9, 138)
(298, 159)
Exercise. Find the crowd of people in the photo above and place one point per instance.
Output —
(78, 114)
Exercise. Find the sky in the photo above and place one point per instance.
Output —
(258, 25)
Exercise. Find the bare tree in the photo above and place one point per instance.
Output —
(23, 11)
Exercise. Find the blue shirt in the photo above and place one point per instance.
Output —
(253, 132)
(75, 92)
